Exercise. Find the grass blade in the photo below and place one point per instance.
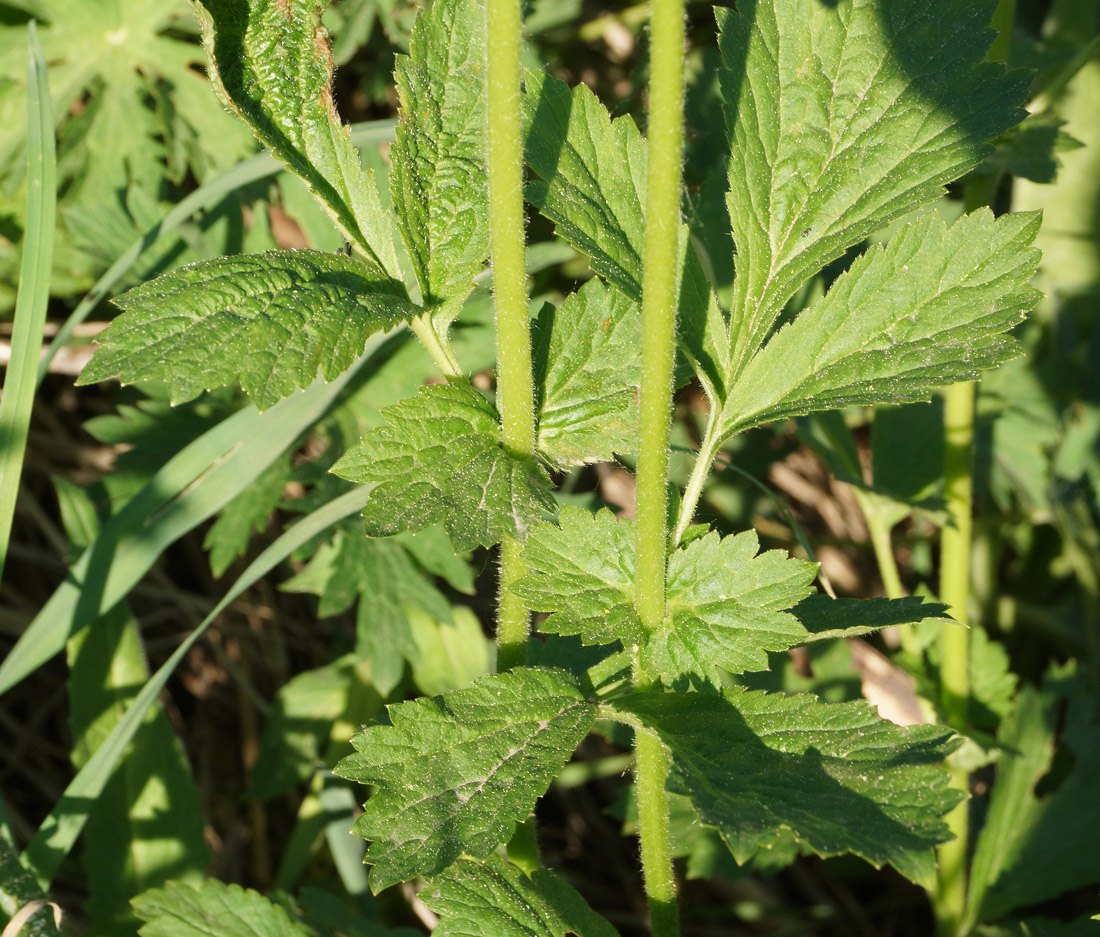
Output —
(60, 829)
(192, 486)
(34, 287)
(251, 170)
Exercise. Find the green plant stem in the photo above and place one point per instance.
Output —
(708, 449)
(515, 391)
(21, 381)
(437, 346)
(662, 224)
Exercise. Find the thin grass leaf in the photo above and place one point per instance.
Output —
(34, 287)
(261, 166)
(191, 487)
(59, 831)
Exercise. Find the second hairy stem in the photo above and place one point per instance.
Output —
(515, 393)
(660, 253)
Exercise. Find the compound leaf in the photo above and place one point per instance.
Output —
(725, 607)
(583, 573)
(840, 779)
(474, 899)
(928, 308)
(455, 773)
(441, 459)
(842, 117)
(212, 907)
(439, 181)
(270, 319)
(271, 62)
(589, 363)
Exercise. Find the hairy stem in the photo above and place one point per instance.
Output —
(662, 224)
(437, 346)
(708, 449)
(515, 393)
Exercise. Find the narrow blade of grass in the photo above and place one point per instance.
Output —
(34, 287)
(251, 170)
(191, 487)
(59, 831)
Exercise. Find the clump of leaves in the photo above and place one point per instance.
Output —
(841, 118)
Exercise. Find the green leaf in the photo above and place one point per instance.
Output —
(441, 459)
(826, 618)
(271, 319)
(588, 373)
(926, 309)
(591, 183)
(271, 62)
(724, 607)
(833, 774)
(1031, 149)
(582, 572)
(455, 773)
(439, 181)
(475, 899)
(842, 117)
(591, 176)
(184, 910)
(724, 603)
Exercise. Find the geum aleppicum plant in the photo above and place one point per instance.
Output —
(842, 117)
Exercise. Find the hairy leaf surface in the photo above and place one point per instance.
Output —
(928, 308)
(271, 319)
(455, 773)
(835, 775)
(476, 899)
(589, 369)
(271, 62)
(185, 910)
(583, 573)
(725, 607)
(441, 459)
(439, 181)
(842, 117)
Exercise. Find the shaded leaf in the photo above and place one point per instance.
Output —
(494, 897)
(270, 319)
(250, 511)
(441, 459)
(439, 181)
(824, 617)
(843, 117)
(928, 308)
(835, 775)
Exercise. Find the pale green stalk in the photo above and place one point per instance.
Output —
(34, 288)
(955, 546)
(515, 391)
(660, 253)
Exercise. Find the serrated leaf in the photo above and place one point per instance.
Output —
(455, 773)
(834, 774)
(1031, 149)
(725, 608)
(185, 910)
(271, 62)
(928, 308)
(270, 319)
(588, 373)
(842, 117)
(591, 183)
(494, 897)
(582, 572)
(824, 617)
(439, 180)
(441, 459)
